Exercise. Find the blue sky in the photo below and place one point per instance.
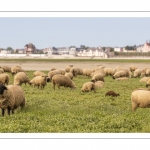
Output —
(73, 31)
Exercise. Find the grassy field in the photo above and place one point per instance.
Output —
(71, 111)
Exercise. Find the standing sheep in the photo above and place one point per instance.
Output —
(61, 80)
(11, 97)
(98, 77)
(140, 98)
(4, 79)
(137, 73)
(6, 68)
(88, 87)
(21, 78)
(38, 73)
(69, 74)
(16, 69)
(119, 74)
(133, 68)
(39, 81)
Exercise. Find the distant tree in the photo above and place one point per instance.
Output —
(9, 48)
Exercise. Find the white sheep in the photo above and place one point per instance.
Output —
(140, 98)
(61, 80)
(144, 79)
(20, 78)
(38, 73)
(4, 78)
(119, 74)
(69, 74)
(11, 97)
(137, 73)
(16, 69)
(39, 81)
(1, 70)
(6, 68)
(88, 86)
(98, 77)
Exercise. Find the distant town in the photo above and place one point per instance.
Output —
(83, 50)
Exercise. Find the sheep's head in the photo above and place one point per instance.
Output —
(2, 88)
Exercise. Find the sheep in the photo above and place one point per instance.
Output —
(128, 72)
(109, 71)
(52, 73)
(61, 80)
(39, 81)
(137, 73)
(112, 93)
(119, 74)
(148, 83)
(87, 72)
(6, 68)
(21, 78)
(4, 78)
(132, 68)
(144, 79)
(88, 87)
(143, 72)
(69, 74)
(122, 79)
(98, 77)
(140, 98)
(99, 84)
(147, 72)
(67, 69)
(38, 73)
(1, 70)
(16, 69)
(11, 97)
(74, 71)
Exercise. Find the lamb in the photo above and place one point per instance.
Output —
(11, 97)
(88, 87)
(21, 78)
(6, 68)
(4, 78)
(39, 81)
(61, 80)
(112, 93)
(140, 98)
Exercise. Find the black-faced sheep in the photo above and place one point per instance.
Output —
(88, 87)
(61, 80)
(11, 97)
(112, 93)
(39, 81)
(140, 98)
(21, 78)
(4, 78)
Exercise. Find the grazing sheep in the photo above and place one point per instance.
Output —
(67, 69)
(52, 73)
(109, 71)
(11, 97)
(4, 79)
(88, 87)
(147, 72)
(122, 79)
(87, 72)
(119, 74)
(98, 77)
(99, 84)
(6, 68)
(21, 78)
(143, 72)
(144, 79)
(1, 70)
(132, 68)
(137, 73)
(38, 73)
(61, 80)
(69, 74)
(148, 83)
(39, 81)
(140, 98)
(16, 69)
(112, 93)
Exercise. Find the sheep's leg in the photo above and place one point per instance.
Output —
(134, 106)
(8, 110)
(3, 112)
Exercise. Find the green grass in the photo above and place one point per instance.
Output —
(71, 111)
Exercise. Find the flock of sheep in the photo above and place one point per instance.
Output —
(12, 96)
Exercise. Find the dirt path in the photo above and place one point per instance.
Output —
(61, 65)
